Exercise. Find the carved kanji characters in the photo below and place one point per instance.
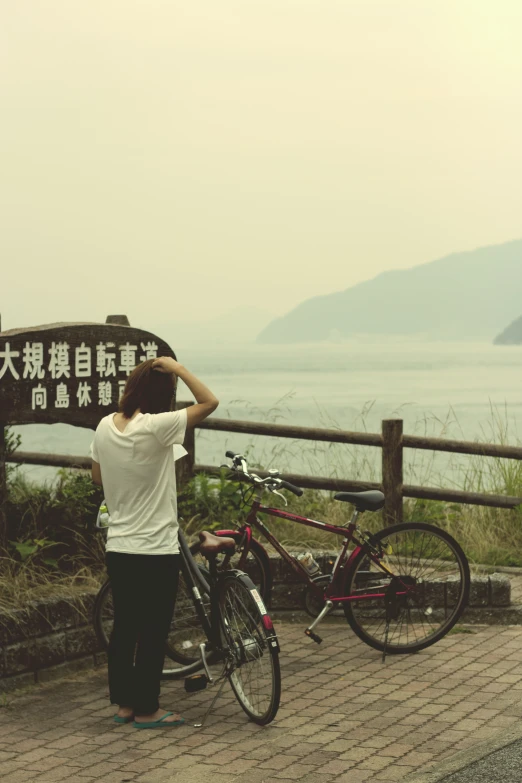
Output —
(151, 351)
(59, 364)
(33, 355)
(104, 393)
(8, 355)
(62, 396)
(39, 397)
(105, 360)
(82, 363)
(84, 394)
(127, 358)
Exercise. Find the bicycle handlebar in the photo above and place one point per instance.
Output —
(240, 467)
(291, 487)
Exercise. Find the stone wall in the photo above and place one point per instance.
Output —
(48, 639)
(490, 595)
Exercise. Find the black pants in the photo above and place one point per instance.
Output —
(144, 592)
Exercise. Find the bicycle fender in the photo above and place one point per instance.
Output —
(268, 625)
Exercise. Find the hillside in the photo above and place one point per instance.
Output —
(512, 335)
(462, 296)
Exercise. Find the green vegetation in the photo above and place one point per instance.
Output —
(53, 546)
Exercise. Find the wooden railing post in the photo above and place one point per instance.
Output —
(392, 480)
(185, 465)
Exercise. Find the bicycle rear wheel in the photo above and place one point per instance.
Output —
(186, 632)
(423, 595)
(255, 674)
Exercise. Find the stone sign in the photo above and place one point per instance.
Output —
(69, 372)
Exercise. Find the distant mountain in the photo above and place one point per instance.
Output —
(462, 296)
(512, 335)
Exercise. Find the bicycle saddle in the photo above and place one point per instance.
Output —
(372, 500)
(213, 545)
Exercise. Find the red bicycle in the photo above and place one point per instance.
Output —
(402, 589)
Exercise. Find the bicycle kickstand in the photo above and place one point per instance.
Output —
(209, 710)
(327, 608)
(198, 682)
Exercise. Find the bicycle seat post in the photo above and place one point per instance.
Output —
(212, 566)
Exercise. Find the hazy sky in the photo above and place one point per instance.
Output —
(173, 159)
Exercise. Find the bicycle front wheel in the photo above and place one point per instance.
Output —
(247, 631)
(422, 577)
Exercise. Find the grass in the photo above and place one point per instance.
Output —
(460, 629)
(23, 583)
(62, 515)
(6, 701)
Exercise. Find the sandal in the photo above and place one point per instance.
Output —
(160, 723)
(117, 719)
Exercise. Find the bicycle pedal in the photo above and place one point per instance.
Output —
(196, 682)
(313, 636)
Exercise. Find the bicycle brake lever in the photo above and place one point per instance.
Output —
(275, 492)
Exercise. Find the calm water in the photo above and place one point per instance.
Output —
(443, 389)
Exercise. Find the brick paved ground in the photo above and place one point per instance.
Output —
(344, 717)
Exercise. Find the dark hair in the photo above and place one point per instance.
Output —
(149, 390)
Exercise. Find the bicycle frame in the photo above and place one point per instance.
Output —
(341, 563)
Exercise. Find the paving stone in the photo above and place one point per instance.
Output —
(367, 722)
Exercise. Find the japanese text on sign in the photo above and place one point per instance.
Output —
(62, 363)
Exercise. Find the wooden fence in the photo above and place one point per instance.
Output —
(392, 441)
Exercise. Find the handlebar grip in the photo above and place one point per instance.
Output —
(291, 488)
(230, 454)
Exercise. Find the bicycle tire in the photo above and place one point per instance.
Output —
(249, 635)
(186, 632)
(257, 566)
(443, 595)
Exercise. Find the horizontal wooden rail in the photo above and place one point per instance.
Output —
(392, 442)
(50, 460)
(292, 431)
(459, 496)
(361, 438)
(462, 447)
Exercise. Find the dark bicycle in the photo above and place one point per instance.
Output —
(219, 620)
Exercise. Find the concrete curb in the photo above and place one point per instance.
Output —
(465, 758)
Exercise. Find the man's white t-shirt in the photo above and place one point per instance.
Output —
(139, 481)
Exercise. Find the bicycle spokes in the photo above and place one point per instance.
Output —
(419, 581)
(251, 663)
